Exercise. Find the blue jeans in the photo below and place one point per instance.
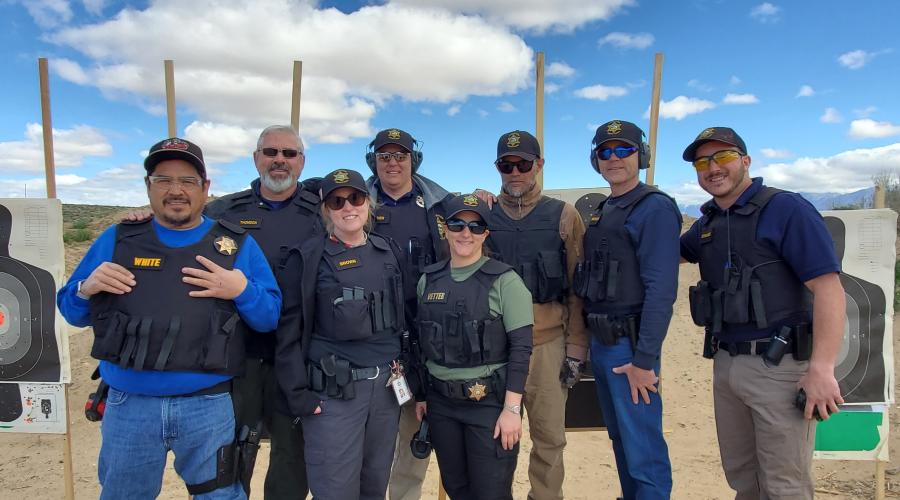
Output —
(138, 432)
(642, 457)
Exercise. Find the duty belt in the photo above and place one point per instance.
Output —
(335, 376)
(469, 390)
(748, 347)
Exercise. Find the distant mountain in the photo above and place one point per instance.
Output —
(822, 201)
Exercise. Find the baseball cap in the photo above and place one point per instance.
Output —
(721, 134)
(618, 130)
(394, 136)
(518, 143)
(466, 203)
(342, 177)
(175, 148)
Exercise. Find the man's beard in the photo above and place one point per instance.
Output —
(519, 193)
(278, 185)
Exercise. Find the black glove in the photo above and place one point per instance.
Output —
(571, 370)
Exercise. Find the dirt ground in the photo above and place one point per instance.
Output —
(31, 466)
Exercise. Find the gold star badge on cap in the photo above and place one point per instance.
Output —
(477, 391)
(341, 177)
(470, 201)
(614, 128)
(706, 133)
(513, 140)
(225, 245)
(393, 134)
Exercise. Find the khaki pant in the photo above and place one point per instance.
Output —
(408, 472)
(765, 443)
(545, 407)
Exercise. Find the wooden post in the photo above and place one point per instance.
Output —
(169, 67)
(654, 114)
(295, 96)
(879, 197)
(539, 110)
(49, 163)
(879, 479)
(68, 475)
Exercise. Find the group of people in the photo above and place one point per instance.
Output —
(352, 316)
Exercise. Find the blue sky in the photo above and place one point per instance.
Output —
(811, 87)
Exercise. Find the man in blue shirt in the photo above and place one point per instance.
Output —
(168, 299)
(628, 282)
(769, 289)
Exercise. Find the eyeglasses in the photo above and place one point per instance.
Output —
(457, 225)
(506, 167)
(621, 152)
(166, 183)
(355, 198)
(720, 157)
(386, 157)
(287, 153)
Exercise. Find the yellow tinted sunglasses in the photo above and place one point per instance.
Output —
(720, 157)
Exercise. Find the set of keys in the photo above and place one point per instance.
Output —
(397, 381)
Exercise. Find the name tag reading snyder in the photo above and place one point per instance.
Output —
(152, 263)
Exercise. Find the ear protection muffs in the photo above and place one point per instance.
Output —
(643, 155)
(415, 156)
(420, 446)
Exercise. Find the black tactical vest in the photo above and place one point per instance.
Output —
(158, 326)
(609, 279)
(407, 225)
(274, 230)
(359, 292)
(533, 247)
(456, 326)
(758, 290)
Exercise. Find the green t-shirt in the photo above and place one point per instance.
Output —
(508, 297)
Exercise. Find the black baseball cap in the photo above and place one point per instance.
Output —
(618, 130)
(175, 148)
(721, 134)
(466, 203)
(518, 143)
(342, 177)
(394, 136)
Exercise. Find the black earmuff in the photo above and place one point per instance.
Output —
(420, 446)
(415, 156)
(643, 155)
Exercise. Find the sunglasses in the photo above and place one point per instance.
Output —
(720, 157)
(386, 157)
(287, 153)
(621, 152)
(355, 198)
(457, 225)
(506, 167)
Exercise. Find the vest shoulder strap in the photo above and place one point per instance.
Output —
(494, 267)
(307, 200)
(437, 266)
(232, 227)
(126, 229)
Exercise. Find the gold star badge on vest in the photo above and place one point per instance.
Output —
(477, 391)
(225, 245)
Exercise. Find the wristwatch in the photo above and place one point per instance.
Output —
(517, 409)
(79, 293)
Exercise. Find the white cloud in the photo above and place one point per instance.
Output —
(766, 13)
(123, 186)
(776, 153)
(627, 40)
(94, 7)
(865, 112)
(551, 88)
(740, 99)
(601, 92)
(831, 115)
(842, 173)
(688, 193)
(426, 111)
(870, 129)
(734, 80)
(536, 16)
(681, 107)
(805, 91)
(483, 113)
(69, 70)
(222, 78)
(697, 84)
(855, 59)
(454, 110)
(222, 143)
(506, 107)
(560, 69)
(49, 13)
(71, 147)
